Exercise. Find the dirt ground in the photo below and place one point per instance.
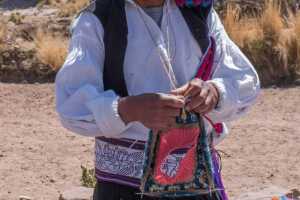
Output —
(38, 158)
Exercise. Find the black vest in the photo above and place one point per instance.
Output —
(112, 15)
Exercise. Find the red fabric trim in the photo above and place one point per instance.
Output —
(205, 73)
(205, 69)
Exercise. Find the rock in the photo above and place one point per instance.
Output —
(26, 65)
(264, 194)
(77, 193)
(297, 82)
(24, 198)
(11, 67)
(6, 54)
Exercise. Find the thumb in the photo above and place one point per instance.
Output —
(181, 90)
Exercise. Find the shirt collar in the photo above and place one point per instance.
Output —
(132, 1)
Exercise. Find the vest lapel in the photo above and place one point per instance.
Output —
(115, 40)
(196, 19)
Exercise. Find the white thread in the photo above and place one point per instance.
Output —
(163, 52)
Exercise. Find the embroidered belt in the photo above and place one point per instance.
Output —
(119, 160)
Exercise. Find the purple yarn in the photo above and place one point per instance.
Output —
(217, 177)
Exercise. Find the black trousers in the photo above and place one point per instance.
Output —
(113, 191)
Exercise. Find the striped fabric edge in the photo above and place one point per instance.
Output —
(124, 142)
(113, 178)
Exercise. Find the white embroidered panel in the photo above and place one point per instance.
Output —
(119, 160)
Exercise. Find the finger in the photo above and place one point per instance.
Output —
(206, 107)
(171, 122)
(165, 122)
(173, 101)
(198, 100)
(211, 103)
(192, 92)
(201, 108)
(171, 112)
(204, 93)
(165, 119)
(207, 110)
(209, 100)
(194, 88)
(188, 89)
(181, 90)
(194, 103)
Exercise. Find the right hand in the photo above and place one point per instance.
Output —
(156, 111)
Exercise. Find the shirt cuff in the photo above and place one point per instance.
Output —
(226, 104)
(105, 111)
(221, 90)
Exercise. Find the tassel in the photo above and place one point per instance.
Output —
(217, 177)
(218, 128)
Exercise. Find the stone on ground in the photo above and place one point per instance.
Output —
(77, 193)
(264, 194)
(24, 198)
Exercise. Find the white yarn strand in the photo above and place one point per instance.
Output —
(164, 54)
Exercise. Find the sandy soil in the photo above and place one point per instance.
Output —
(38, 158)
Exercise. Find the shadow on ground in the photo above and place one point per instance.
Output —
(17, 4)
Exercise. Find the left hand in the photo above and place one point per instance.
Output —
(202, 96)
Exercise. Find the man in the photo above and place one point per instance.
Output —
(117, 91)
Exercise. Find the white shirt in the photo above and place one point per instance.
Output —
(85, 108)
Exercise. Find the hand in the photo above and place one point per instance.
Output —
(202, 97)
(155, 111)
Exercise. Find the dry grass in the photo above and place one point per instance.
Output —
(51, 50)
(293, 45)
(271, 41)
(72, 7)
(240, 29)
(67, 8)
(271, 21)
(16, 18)
(3, 34)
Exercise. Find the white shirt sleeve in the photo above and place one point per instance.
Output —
(234, 76)
(81, 102)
